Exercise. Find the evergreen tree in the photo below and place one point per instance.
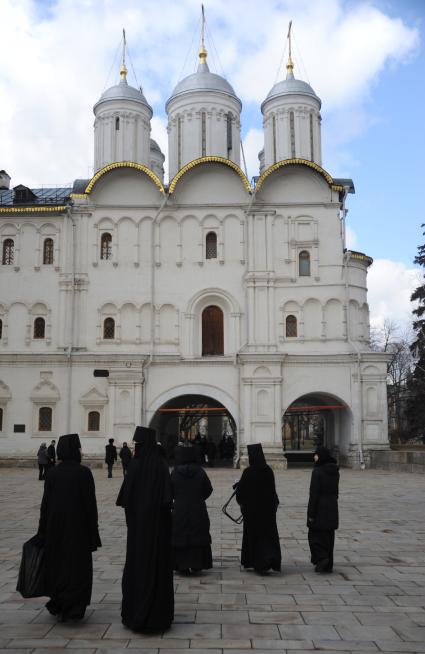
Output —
(416, 405)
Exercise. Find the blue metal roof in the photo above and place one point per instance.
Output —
(44, 196)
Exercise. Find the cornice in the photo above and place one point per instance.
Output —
(297, 162)
(210, 159)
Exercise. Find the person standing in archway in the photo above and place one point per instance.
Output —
(256, 494)
(322, 511)
(147, 582)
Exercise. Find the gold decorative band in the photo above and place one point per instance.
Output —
(209, 159)
(296, 162)
(124, 164)
(32, 209)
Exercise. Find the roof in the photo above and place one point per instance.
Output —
(346, 182)
(205, 81)
(44, 196)
(123, 91)
(291, 86)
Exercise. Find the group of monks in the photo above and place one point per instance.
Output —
(168, 527)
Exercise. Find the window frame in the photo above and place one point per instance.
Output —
(109, 320)
(8, 252)
(106, 246)
(36, 325)
(291, 321)
(91, 414)
(304, 259)
(49, 409)
(213, 233)
(48, 251)
(211, 338)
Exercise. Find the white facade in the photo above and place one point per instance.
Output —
(128, 255)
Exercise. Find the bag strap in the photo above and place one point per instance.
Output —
(238, 520)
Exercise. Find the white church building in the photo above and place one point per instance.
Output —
(210, 304)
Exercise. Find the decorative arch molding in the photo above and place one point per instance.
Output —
(206, 160)
(332, 398)
(210, 296)
(5, 394)
(298, 162)
(194, 389)
(123, 164)
(45, 391)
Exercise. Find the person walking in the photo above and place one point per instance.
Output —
(43, 461)
(110, 456)
(147, 582)
(322, 511)
(191, 525)
(69, 528)
(125, 456)
(51, 453)
(256, 494)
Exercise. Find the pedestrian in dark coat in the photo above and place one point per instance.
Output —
(125, 456)
(211, 452)
(256, 494)
(51, 453)
(68, 526)
(191, 525)
(322, 512)
(110, 456)
(147, 582)
(43, 461)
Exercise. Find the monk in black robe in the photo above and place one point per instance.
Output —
(256, 494)
(191, 524)
(147, 583)
(68, 526)
(322, 511)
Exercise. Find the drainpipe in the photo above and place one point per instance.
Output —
(72, 318)
(357, 350)
(152, 299)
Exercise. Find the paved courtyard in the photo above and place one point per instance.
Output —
(374, 601)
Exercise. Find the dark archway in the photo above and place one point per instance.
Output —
(314, 419)
(197, 419)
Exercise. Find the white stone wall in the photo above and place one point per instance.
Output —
(155, 286)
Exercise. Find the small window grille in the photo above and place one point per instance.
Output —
(109, 328)
(291, 326)
(304, 263)
(106, 246)
(117, 124)
(204, 133)
(229, 134)
(292, 132)
(8, 252)
(45, 418)
(48, 251)
(39, 328)
(211, 245)
(93, 422)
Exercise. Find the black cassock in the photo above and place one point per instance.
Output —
(191, 525)
(147, 582)
(256, 494)
(68, 526)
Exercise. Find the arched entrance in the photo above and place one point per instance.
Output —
(315, 419)
(201, 420)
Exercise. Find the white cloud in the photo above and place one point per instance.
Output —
(59, 55)
(391, 284)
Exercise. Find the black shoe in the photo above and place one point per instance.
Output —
(322, 566)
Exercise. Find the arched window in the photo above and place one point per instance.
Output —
(304, 263)
(1, 329)
(39, 328)
(229, 134)
(117, 123)
(203, 134)
(109, 328)
(1, 419)
(311, 138)
(8, 252)
(292, 132)
(211, 245)
(106, 246)
(45, 418)
(212, 331)
(48, 251)
(291, 326)
(93, 421)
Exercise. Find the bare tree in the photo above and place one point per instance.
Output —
(394, 340)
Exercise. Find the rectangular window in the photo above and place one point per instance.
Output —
(229, 134)
(203, 134)
(311, 139)
(292, 133)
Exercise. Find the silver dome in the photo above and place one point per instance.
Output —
(205, 81)
(291, 86)
(123, 91)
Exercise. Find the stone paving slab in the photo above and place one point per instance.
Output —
(374, 601)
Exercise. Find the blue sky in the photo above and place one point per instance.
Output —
(365, 59)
